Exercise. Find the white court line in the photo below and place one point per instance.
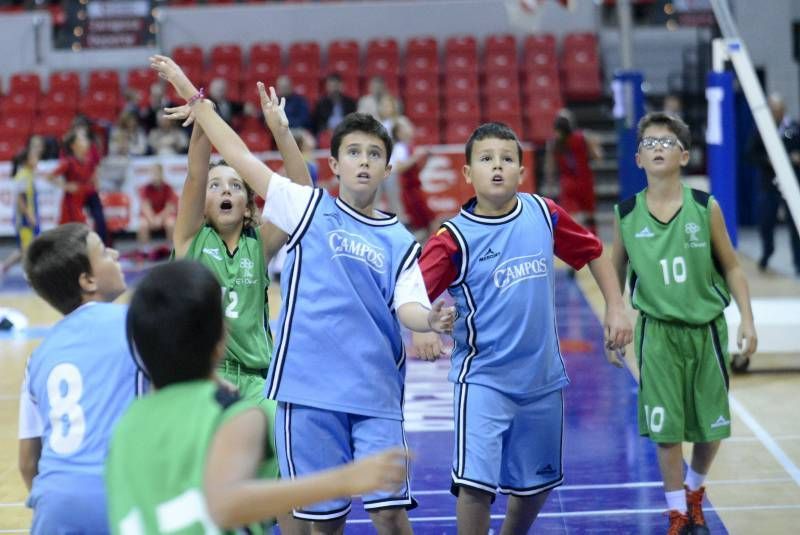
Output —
(563, 488)
(601, 512)
(637, 485)
(766, 439)
(755, 439)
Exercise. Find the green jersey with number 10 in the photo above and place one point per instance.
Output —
(672, 271)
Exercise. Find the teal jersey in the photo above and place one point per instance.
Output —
(156, 463)
(243, 277)
(672, 271)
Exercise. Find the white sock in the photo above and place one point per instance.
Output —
(694, 480)
(676, 500)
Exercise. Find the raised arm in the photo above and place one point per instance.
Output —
(228, 143)
(236, 496)
(191, 207)
(746, 338)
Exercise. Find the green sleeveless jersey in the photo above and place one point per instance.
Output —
(244, 281)
(672, 271)
(156, 461)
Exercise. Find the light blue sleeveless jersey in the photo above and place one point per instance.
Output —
(82, 379)
(505, 332)
(338, 345)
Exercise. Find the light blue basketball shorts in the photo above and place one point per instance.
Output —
(309, 440)
(506, 443)
(68, 507)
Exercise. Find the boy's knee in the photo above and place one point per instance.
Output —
(471, 495)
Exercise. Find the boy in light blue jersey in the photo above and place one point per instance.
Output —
(350, 280)
(78, 382)
(496, 258)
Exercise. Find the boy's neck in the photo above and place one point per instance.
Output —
(364, 206)
(494, 208)
(231, 236)
(664, 188)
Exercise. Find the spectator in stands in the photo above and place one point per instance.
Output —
(407, 162)
(297, 110)
(568, 156)
(673, 105)
(218, 93)
(333, 106)
(158, 210)
(155, 103)
(127, 138)
(370, 102)
(131, 101)
(771, 201)
(167, 137)
(306, 143)
(78, 167)
(388, 111)
(45, 146)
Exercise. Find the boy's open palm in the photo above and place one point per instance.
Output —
(273, 108)
(383, 471)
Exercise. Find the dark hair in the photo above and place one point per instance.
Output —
(254, 220)
(672, 122)
(562, 124)
(334, 76)
(360, 122)
(175, 322)
(54, 263)
(491, 131)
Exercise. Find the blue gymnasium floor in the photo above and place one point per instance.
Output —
(612, 483)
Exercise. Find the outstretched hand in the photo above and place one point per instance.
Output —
(273, 108)
(441, 318)
(384, 471)
(180, 113)
(172, 73)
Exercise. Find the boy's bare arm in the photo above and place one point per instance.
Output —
(236, 496)
(416, 317)
(619, 257)
(617, 326)
(746, 338)
(30, 450)
(191, 206)
(228, 143)
(279, 127)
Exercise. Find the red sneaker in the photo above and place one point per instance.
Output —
(694, 505)
(678, 523)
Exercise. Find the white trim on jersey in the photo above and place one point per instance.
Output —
(389, 219)
(469, 321)
(494, 220)
(291, 303)
(305, 221)
(546, 213)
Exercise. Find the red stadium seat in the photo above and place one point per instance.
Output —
(266, 71)
(539, 117)
(20, 124)
(460, 61)
(500, 43)
(67, 81)
(257, 140)
(142, 79)
(391, 79)
(582, 83)
(265, 52)
(458, 131)
(57, 101)
(580, 42)
(421, 107)
(500, 83)
(226, 71)
(542, 84)
(427, 131)
(422, 84)
(344, 48)
(116, 209)
(324, 139)
(502, 105)
(188, 56)
(462, 107)
(308, 86)
(421, 46)
(387, 46)
(19, 103)
(421, 63)
(10, 146)
(228, 53)
(307, 51)
(53, 125)
(501, 61)
(545, 42)
(466, 44)
(304, 67)
(25, 82)
(104, 79)
(461, 83)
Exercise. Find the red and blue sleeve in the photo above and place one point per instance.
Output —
(573, 243)
(438, 262)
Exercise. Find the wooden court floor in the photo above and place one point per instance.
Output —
(757, 477)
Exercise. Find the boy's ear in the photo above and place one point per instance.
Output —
(388, 170)
(467, 172)
(87, 283)
(521, 175)
(333, 163)
(638, 161)
(684, 158)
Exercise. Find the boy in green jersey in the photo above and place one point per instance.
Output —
(682, 269)
(194, 468)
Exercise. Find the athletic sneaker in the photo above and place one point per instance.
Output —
(694, 504)
(678, 523)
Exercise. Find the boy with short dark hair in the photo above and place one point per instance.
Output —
(496, 258)
(196, 466)
(77, 382)
(682, 269)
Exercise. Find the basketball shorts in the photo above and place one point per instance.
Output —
(683, 386)
(505, 443)
(76, 505)
(310, 439)
(25, 235)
